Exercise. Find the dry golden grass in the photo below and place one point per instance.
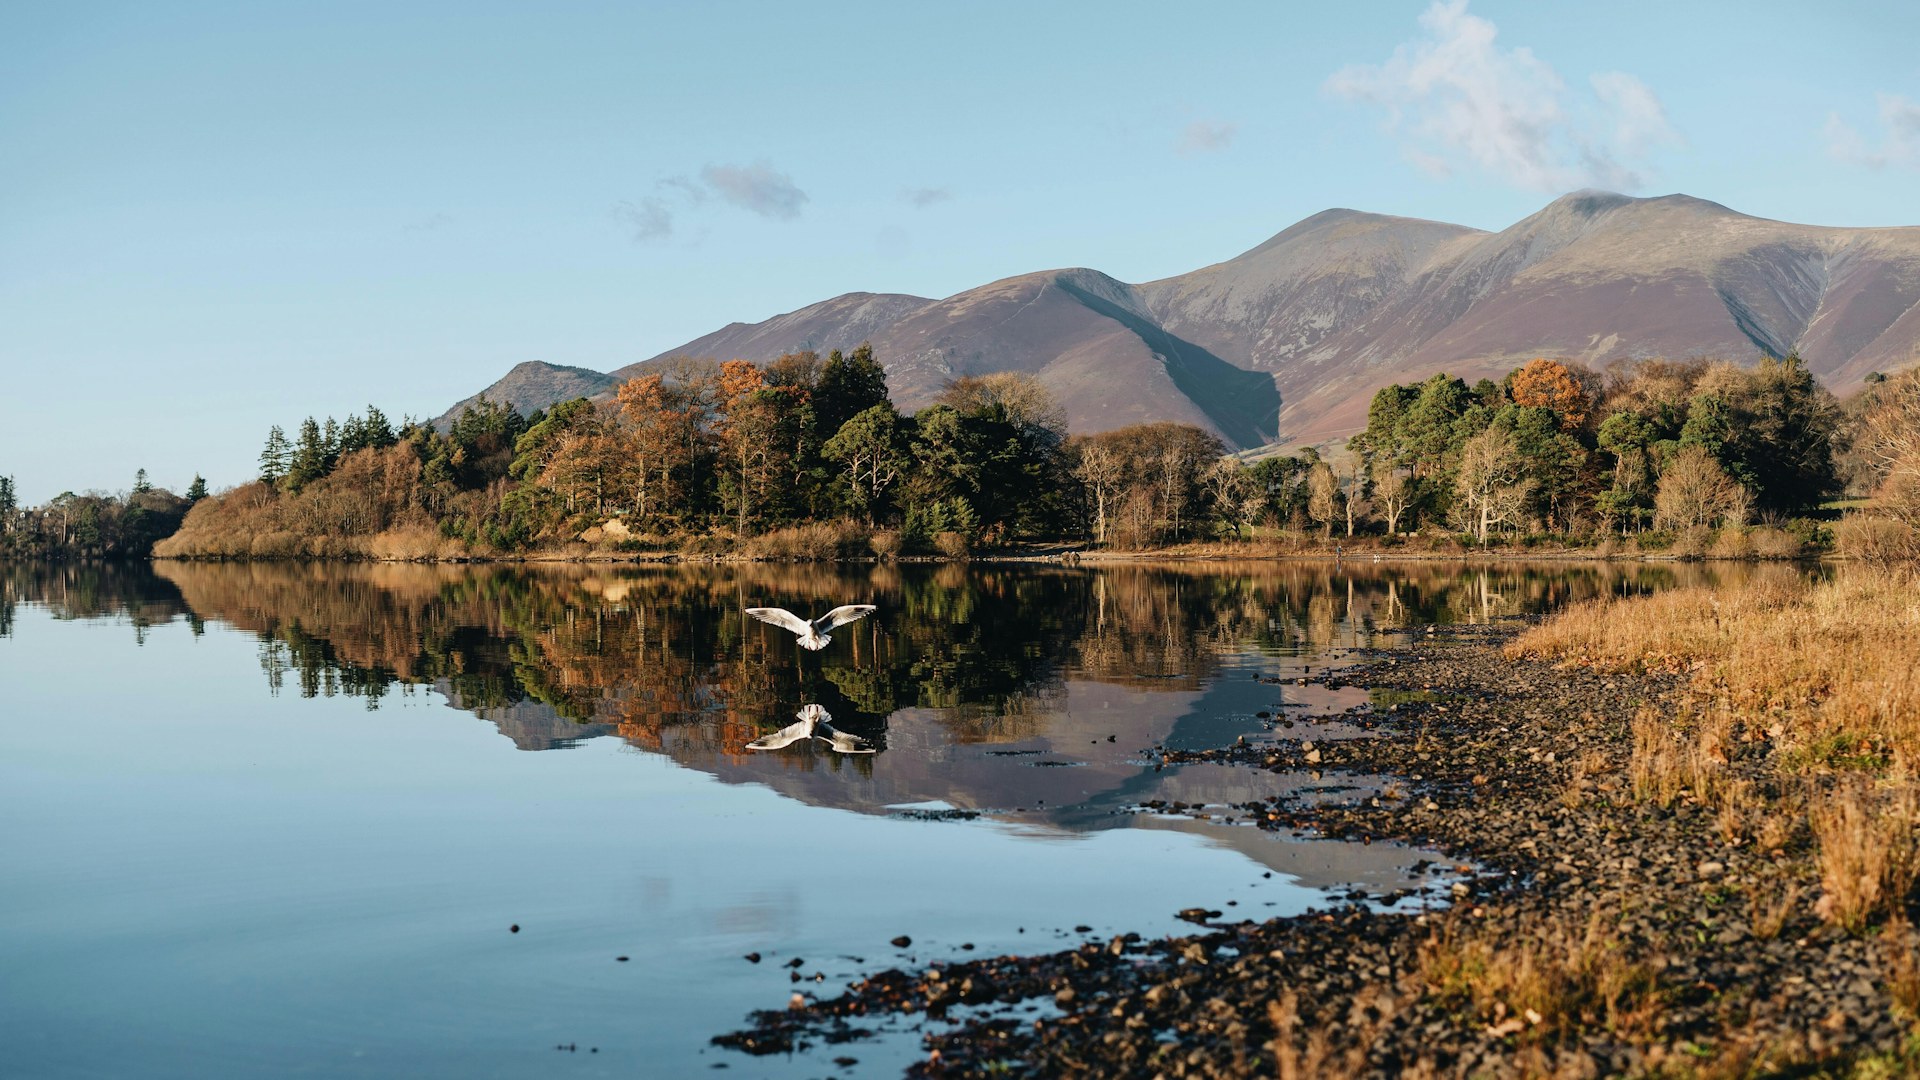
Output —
(1827, 670)
(1900, 963)
(1672, 761)
(1771, 914)
(1542, 987)
(1580, 780)
(815, 541)
(1319, 1055)
(1867, 851)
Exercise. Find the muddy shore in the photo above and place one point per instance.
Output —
(1591, 932)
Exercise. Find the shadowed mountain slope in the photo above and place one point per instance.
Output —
(1289, 340)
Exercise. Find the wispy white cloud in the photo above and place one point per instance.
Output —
(921, 198)
(1205, 136)
(757, 187)
(1899, 140)
(1454, 97)
(650, 220)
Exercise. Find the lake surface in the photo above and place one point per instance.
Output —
(279, 819)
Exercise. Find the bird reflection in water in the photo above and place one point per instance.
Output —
(814, 723)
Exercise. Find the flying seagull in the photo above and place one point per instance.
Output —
(813, 635)
(813, 723)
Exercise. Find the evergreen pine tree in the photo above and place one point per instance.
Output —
(309, 456)
(849, 385)
(196, 490)
(277, 457)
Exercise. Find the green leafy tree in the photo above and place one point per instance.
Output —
(196, 490)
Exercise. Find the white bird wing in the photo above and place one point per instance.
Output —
(843, 741)
(782, 618)
(843, 615)
(786, 736)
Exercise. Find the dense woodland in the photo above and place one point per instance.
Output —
(807, 457)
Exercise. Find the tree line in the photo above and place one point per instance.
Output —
(701, 455)
(1556, 447)
(94, 524)
(728, 450)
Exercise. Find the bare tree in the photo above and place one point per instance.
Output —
(1492, 486)
(1229, 490)
(1102, 471)
(1890, 438)
(1694, 490)
(1347, 469)
(1323, 496)
(1392, 492)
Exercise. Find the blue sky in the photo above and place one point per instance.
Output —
(217, 217)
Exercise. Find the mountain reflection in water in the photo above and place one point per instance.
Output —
(1030, 693)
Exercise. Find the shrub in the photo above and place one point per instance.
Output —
(1772, 543)
(1693, 542)
(814, 541)
(885, 543)
(405, 544)
(953, 545)
(1877, 541)
(1732, 543)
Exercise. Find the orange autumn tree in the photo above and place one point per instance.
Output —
(662, 434)
(750, 422)
(1549, 384)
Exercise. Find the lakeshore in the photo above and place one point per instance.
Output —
(1611, 918)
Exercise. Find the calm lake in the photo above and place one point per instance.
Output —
(279, 819)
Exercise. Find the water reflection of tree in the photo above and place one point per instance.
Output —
(90, 590)
(665, 658)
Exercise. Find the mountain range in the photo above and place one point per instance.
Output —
(1288, 341)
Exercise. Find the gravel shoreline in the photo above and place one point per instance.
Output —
(1590, 934)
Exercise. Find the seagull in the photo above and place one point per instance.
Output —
(813, 723)
(813, 634)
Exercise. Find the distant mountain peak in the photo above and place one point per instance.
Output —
(1290, 338)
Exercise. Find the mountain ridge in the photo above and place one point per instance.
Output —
(1287, 340)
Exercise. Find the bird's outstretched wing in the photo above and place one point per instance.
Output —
(781, 617)
(844, 742)
(786, 736)
(843, 615)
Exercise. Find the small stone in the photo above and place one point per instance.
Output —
(902, 941)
